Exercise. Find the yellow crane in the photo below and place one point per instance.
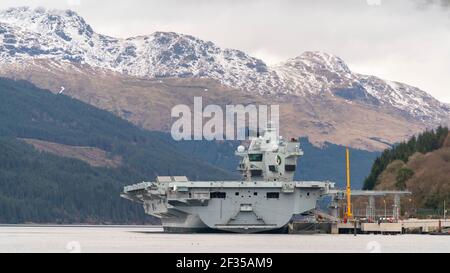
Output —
(348, 213)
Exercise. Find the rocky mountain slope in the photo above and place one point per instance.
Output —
(319, 96)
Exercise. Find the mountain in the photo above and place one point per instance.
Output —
(318, 72)
(65, 161)
(420, 165)
(65, 36)
(319, 96)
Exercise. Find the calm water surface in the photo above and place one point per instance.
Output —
(151, 239)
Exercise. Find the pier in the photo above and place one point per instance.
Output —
(371, 220)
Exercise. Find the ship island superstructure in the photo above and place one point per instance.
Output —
(264, 200)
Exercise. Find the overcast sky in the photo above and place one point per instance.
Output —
(401, 40)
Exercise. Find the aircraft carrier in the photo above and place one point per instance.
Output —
(265, 200)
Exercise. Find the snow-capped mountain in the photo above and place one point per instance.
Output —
(319, 72)
(314, 72)
(63, 36)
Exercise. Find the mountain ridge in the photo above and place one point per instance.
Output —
(65, 36)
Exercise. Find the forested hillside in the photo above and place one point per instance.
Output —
(423, 143)
(40, 187)
(426, 175)
(44, 188)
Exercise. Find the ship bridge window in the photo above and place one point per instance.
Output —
(256, 173)
(273, 168)
(221, 195)
(273, 195)
(255, 157)
(289, 168)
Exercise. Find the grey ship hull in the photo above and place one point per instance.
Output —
(179, 222)
(231, 206)
(193, 224)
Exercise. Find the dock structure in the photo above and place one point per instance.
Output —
(370, 212)
(371, 209)
(418, 226)
(371, 222)
(368, 222)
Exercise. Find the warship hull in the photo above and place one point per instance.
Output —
(227, 206)
(184, 224)
(196, 226)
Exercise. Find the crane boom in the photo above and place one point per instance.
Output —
(349, 213)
